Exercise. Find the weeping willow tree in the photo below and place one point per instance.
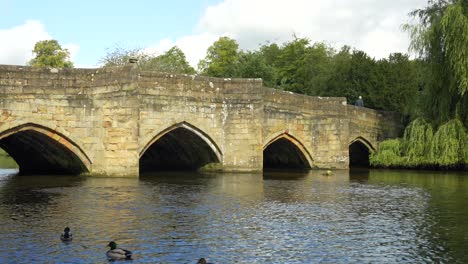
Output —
(449, 146)
(441, 39)
(421, 148)
(415, 139)
(388, 156)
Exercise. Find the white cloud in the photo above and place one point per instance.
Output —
(18, 42)
(73, 49)
(373, 26)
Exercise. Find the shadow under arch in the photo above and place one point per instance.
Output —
(179, 147)
(40, 150)
(285, 151)
(359, 151)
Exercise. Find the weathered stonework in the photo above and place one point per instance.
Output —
(108, 118)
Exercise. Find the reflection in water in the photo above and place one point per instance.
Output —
(445, 214)
(360, 175)
(368, 216)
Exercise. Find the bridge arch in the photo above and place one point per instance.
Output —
(359, 151)
(283, 150)
(181, 146)
(38, 149)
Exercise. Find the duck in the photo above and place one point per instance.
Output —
(115, 253)
(67, 235)
(203, 261)
(328, 173)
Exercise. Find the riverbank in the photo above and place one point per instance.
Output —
(6, 161)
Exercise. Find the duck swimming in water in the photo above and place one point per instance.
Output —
(203, 261)
(67, 235)
(115, 253)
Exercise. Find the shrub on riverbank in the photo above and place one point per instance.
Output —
(449, 145)
(6, 162)
(421, 148)
(389, 154)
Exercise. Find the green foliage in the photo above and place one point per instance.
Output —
(339, 83)
(415, 139)
(318, 70)
(271, 53)
(361, 78)
(396, 84)
(221, 59)
(6, 161)
(253, 65)
(49, 53)
(304, 68)
(290, 62)
(119, 56)
(172, 61)
(441, 38)
(454, 27)
(420, 148)
(448, 147)
(389, 154)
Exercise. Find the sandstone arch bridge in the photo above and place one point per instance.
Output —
(123, 122)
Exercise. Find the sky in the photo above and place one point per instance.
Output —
(90, 29)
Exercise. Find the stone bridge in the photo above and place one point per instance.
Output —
(123, 122)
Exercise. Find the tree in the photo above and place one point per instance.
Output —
(397, 84)
(119, 56)
(317, 68)
(49, 53)
(290, 60)
(354, 75)
(221, 59)
(441, 38)
(271, 53)
(304, 68)
(252, 64)
(339, 80)
(172, 61)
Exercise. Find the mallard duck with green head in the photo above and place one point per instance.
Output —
(115, 253)
(67, 235)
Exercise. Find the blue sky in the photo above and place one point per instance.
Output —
(87, 28)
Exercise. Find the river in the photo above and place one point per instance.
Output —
(359, 216)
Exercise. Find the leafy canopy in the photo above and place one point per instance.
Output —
(441, 39)
(221, 59)
(49, 53)
(172, 61)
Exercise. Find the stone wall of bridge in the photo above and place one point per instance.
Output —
(91, 112)
(108, 121)
(369, 126)
(227, 112)
(319, 125)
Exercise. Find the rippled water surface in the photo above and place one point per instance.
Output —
(350, 217)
